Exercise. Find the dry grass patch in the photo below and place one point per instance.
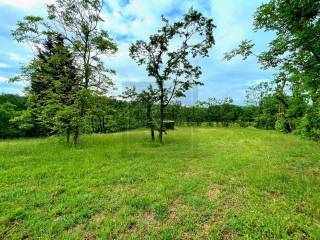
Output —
(214, 192)
(98, 218)
(149, 220)
(176, 211)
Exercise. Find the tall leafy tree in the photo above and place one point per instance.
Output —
(167, 56)
(79, 22)
(295, 50)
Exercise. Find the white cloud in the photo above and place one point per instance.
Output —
(16, 57)
(22, 4)
(3, 79)
(4, 65)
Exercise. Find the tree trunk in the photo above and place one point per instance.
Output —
(100, 124)
(152, 132)
(68, 134)
(150, 121)
(92, 124)
(161, 130)
(76, 136)
(103, 125)
(86, 60)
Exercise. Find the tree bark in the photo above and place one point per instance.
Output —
(152, 132)
(86, 60)
(92, 124)
(150, 121)
(103, 125)
(76, 136)
(161, 116)
(68, 134)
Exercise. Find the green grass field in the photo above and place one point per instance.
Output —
(203, 183)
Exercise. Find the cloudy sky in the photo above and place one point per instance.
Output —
(130, 20)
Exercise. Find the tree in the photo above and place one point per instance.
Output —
(148, 98)
(53, 87)
(294, 51)
(167, 56)
(78, 21)
(8, 111)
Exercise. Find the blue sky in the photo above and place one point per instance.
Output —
(130, 20)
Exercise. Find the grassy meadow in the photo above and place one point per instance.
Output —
(202, 183)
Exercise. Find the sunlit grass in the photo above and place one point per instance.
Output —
(214, 183)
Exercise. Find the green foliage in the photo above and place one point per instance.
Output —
(111, 115)
(309, 125)
(267, 113)
(245, 50)
(77, 22)
(11, 106)
(295, 54)
(7, 112)
(148, 98)
(281, 124)
(53, 88)
(167, 56)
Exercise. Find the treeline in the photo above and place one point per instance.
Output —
(213, 112)
(69, 81)
(105, 115)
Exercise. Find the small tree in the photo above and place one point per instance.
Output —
(167, 56)
(148, 98)
(78, 21)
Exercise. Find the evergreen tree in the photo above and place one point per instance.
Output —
(53, 87)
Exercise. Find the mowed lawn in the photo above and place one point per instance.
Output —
(202, 183)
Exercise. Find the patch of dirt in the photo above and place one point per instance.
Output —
(188, 174)
(98, 218)
(312, 171)
(149, 220)
(84, 233)
(174, 215)
(148, 216)
(229, 204)
(227, 235)
(213, 193)
(75, 228)
(206, 227)
(186, 236)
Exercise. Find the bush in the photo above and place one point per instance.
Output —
(309, 124)
(282, 124)
(243, 124)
